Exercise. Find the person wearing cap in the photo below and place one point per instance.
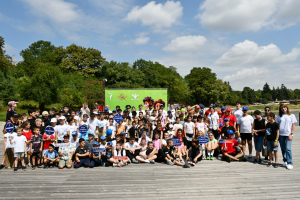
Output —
(232, 118)
(244, 130)
(11, 111)
(213, 118)
(223, 110)
(74, 139)
(89, 143)
(45, 118)
(225, 128)
(229, 148)
(259, 132)
(61, 129)
(96, 156)
(170, 119)
(200, 125)
(171, 131)
(66, 153)
(238, 111)
(82, 155)
(103, 142)
(201, 113)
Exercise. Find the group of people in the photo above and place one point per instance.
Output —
(90, 138)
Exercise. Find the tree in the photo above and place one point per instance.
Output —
(45, 84)
(264, 101)
(248, 95)
(297, 93)
(5, 60)
(87, 62)
(7, 87)
(266, 90)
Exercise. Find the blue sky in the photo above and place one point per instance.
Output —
(244, 42)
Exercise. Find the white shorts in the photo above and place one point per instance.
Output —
(28, 147)
(19, 154)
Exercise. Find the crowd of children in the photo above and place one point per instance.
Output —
(143, 136)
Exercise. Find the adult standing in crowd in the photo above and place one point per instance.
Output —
(286, 122)
(238, 111)
(244, 130)
(11, 111)
(214, 122)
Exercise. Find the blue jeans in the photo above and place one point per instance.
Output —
(286, 149)
(258, 142)
(96, 162)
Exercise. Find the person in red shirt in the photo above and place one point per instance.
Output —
(27, 133)
(229, 150)
(232, 119)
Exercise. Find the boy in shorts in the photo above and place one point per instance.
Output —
(20, 148)
(36, 147)
(66, 153)
(170, 158)
(51, 157)
(272, 135)
(229, 148)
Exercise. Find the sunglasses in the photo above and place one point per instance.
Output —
(211, 135)
(267, 110)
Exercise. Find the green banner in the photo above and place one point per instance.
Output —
(135, 97)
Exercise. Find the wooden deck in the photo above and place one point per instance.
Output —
(208, 179)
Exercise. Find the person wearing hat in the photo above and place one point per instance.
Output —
(45, 118)
(89, 143)
(128, 107)
(82, 155)
(223, 110)
(244, 130)
(229, 148)
(61, 129)
(197, 110)
(103, 142)
(170, 131)
(170, 119)
(259, 132)
(238, 111)
(66, 153)
(231, 117)
(75, 139)
(96, 156)
(11, 111)
(225, 128)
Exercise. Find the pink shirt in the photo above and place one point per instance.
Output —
(156, 144)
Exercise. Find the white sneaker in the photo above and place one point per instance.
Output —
(284, 164)
(147, 161)
(289, 166)
(115, 165)
(182, 162)
(250, 156)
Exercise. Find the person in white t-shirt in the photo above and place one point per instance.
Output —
(144, 135)
(213, 118)
(200, 125)
(189, 129)
(244, 130)
(93, 123)
(238, 111)
(84, 110)
(172, 109)
(20, 148)
(119, 151)
(9, 149)
(61, 129)
(286, 122)
(177, 125)
(132, 149)
(171, 132)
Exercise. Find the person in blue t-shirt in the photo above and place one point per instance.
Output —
(96, 156)
(51, 157)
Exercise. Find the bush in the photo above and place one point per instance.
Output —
(295, 102)
(264, 101)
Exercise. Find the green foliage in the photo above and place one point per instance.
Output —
(264, 101)
(248, 95)
(295, 102)
(7, 87)
(45, 84)
(297, 93)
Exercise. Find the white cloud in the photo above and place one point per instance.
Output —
(114, 7)
(141, 39)
(248, 53)
(186, 43)
(157, 16)
(245, 15)
(10, 50)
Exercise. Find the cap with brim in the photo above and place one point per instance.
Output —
(161, 105)
(109, 143)
(114, 111)
(245, 108)
(62, 117)
(74, 133)
(77, 112)
(90, 133)
(219, 112)
(12, 102)
(66, 135)
(128, 106)
(100, 125)
(103, 137)
(108, 132)
(125, 111)
(228, 109)
(226, 119)
(214, 105)
(197, 106)
(105, 109)
(223, 108)
(96, 143)
(171, 126)
(201, 112)
(95, 113)
(123, 133)
(45, 113)
(16, 115)
(53, 120)
(230, 132)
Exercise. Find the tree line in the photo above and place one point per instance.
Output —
(51, 74)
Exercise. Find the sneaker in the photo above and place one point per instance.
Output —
(46, 167)
(24, 168)
(275, 165)
(2, 166)
(147, 161)
(152, 162)
(182, 162)
(259, 161)
(193, 164)
(228, 159)
(255, 161)
(33, 167)
(115, 165)
(250, 156)
(50, 166)
(189, 162)
(134, 160)
(15, 169)
(211, 158)
(177, 159)
(39, 166)
(170, 162)
(29, 165)
(186, 166)
(243, 159)
(289, 166)
(208, 158)
(284, 164)
(269, 164)
(267, 158)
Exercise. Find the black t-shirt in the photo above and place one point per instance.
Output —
(140, 131)
(169, 151)
(42, 129)
(10, 113)
(46, 122)
(226, 129)
(133, 132)
(82, 151)
(149, 151)
(271, 130)
(32, 123)
(258, 125)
